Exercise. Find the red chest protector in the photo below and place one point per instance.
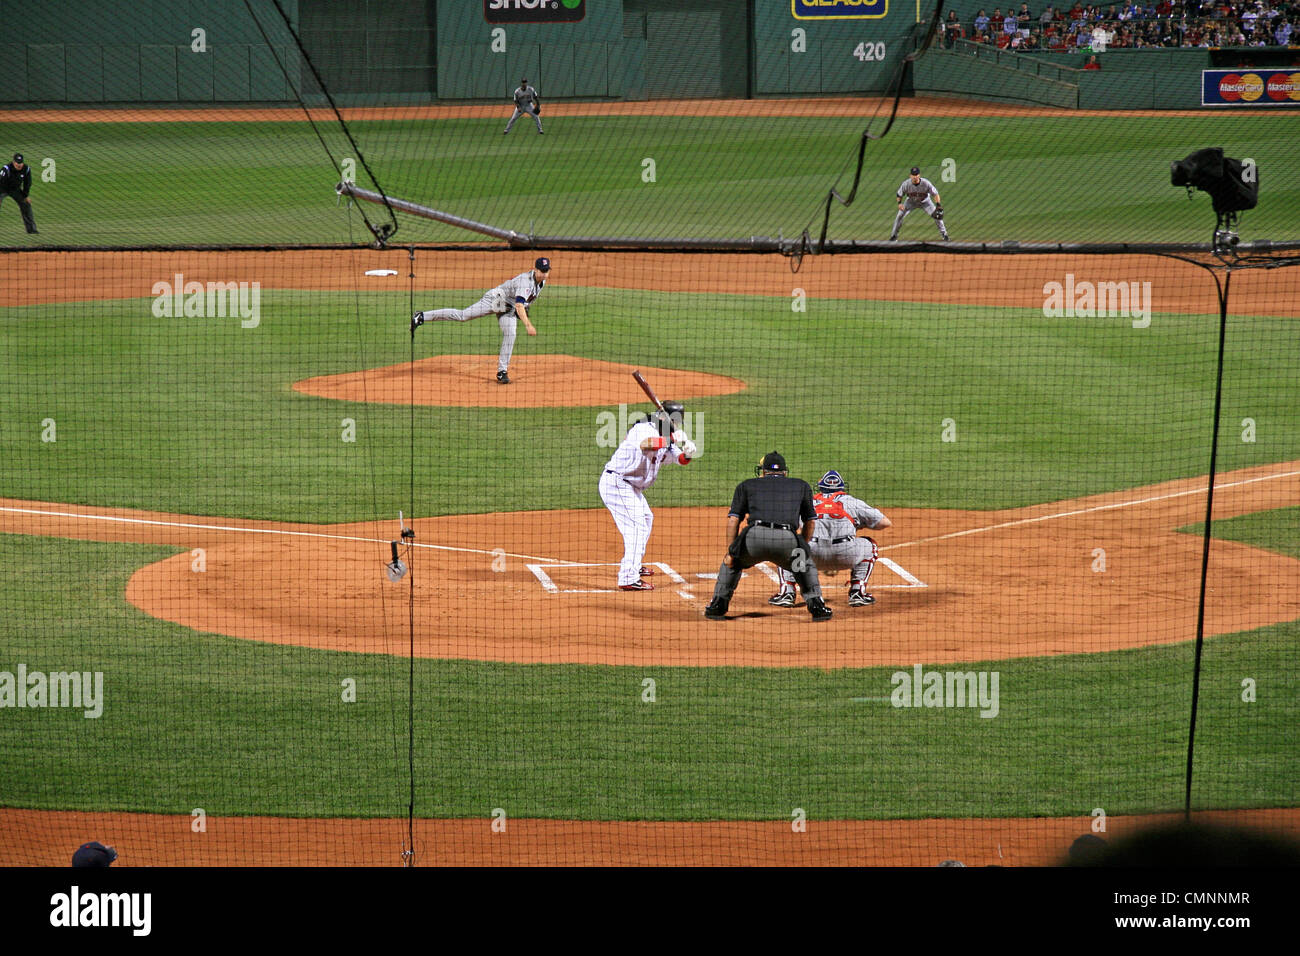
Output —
(829, 506)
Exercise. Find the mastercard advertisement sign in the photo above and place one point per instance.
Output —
(1248, 86)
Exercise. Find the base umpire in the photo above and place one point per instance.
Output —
(16, 183)
(781, 521)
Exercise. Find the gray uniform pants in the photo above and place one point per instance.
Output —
(775, 545)
(518, 113)
(927, 204)
(857, 555)
(492, 302)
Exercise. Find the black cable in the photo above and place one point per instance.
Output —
(1222, 289)
(897, 87)
(381, 233)
(289, 80)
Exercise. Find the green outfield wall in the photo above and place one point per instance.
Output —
(411, 51)
(83, 51)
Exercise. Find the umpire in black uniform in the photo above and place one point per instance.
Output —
(777, 506)
(16, 183)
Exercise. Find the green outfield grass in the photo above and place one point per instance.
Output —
(1070, 178)
(238, 727)
(197, 415)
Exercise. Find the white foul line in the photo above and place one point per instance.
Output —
(1084, 511)
(299, 534)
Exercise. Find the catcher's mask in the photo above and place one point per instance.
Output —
(670, 419)
(771, 464)
(832, 482)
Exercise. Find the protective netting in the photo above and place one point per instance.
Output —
(209, 457)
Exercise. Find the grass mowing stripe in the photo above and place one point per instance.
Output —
(1075, 178)
(198, 417)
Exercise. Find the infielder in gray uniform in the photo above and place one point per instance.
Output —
(526, 101)
(509, 302)
(836, 545)
(915, 193)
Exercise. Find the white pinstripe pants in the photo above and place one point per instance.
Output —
(634, 519)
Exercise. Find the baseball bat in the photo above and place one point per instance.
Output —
(645, 387)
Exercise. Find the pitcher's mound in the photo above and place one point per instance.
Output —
(536, 381)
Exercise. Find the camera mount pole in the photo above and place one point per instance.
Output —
(1205, 540)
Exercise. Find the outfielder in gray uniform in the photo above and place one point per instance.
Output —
(509, 302)
(915, 193)
(526, 101)
(781, 520)
(836, 545)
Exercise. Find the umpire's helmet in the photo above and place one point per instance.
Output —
(832, 482)
(670, 419)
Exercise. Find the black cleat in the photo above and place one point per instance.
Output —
(417, 320)
(503, 378)
(717, 609)
(818, 609)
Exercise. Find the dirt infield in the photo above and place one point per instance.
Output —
(973, 586)
(143, 839)
(862, 107)
(552, 381)
(1009, 282)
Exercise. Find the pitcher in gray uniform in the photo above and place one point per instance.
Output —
(509, 301)
(526, 101)
(915, 193)
(781, 520)
(836, 546)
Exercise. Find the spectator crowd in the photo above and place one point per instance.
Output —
(1153, 23)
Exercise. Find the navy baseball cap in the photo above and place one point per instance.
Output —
(773, 461)
(916, 170)
(542, 265)
(18, 157)
(94, 854)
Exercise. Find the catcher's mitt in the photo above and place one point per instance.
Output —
(938, 212)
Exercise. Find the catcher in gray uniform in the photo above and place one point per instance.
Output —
(836, 545)
(915, 193)
(526, 101)
(509, 302)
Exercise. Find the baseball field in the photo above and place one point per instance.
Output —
(197, 502)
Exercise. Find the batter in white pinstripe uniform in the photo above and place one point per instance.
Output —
(629, 472)
(836, 545)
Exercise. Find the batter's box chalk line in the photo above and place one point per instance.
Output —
(549, 585)
(539, 570)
